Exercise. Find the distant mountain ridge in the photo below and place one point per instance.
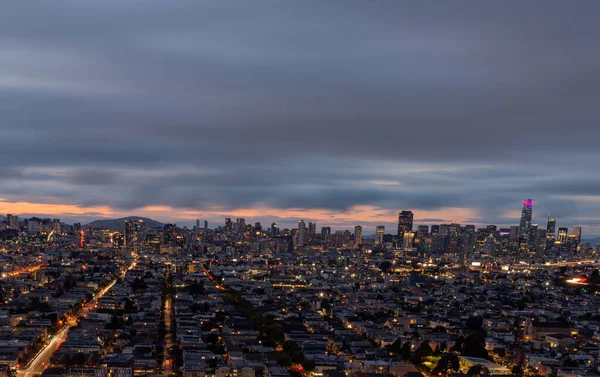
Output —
(112, 223)
(592, 241)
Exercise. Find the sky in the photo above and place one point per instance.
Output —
(339, 112)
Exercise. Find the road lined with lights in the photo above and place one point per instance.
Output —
(42, 360)
(23, 270)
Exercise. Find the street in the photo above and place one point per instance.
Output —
(42, 360)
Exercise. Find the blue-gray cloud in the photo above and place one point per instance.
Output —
(309, 105)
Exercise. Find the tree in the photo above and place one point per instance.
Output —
(474, 346)
(385, 266)
(138, 284)
(70, 282)
(478, 369)
(275, 332)
(196, 288)
(422, 351)
(291, 348)
(79, 358)
(448, 361)
(595, 277)
(474, 323)
(129, 306)
(114, 324)
(308, 365)
(405, 352)
(284, 359)
(517, 370)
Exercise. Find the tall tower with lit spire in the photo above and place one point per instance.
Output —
(526, 215)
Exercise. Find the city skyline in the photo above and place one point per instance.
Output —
(289, 111)
(405, 221)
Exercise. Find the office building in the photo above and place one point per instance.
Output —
(405, 223)
(551, 229)
(357, 235)
(526, 215)
(325, 233)
(301, 233)
(379, 232)
(563, 235)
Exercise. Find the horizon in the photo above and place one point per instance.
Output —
(390, 226)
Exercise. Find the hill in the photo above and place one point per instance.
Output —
(593, 241)
(112, 223)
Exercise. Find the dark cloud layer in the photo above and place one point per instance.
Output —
(327, 105)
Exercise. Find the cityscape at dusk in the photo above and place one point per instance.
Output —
(262, 188)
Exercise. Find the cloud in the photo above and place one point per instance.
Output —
(231, 105)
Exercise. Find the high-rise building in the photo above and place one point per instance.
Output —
(11, 221)
(228, 224)
(240, 225)
(357, 235)
(532, 238)
(379, 232)
(274, 230)
(469, 234)
(128, 237)
(325, 233)
(514, 232)
(301, 233)
(205, 224)
(169, 234)
(551, 229)
(32, 226)
(453, 234)
(435, 230)
(117, 240)
(139, 233)
(526, 215)
(577, 233)
(197, 223)
(346, 235)
(405, 223)
(563, 235)
(422, 231)
(312, 228)
(408, 240)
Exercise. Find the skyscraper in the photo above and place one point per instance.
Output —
(551, 229)
(526, 214)
(325, 233)
(563, 235)
(312, 228)
(405, 223)
(12, 221)
(577, 233)
(301, 233)
(128, 238)
(357, 235)
(379, 232)
(408, 239)
(514, 232)
(274, 230)
(240, 225)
